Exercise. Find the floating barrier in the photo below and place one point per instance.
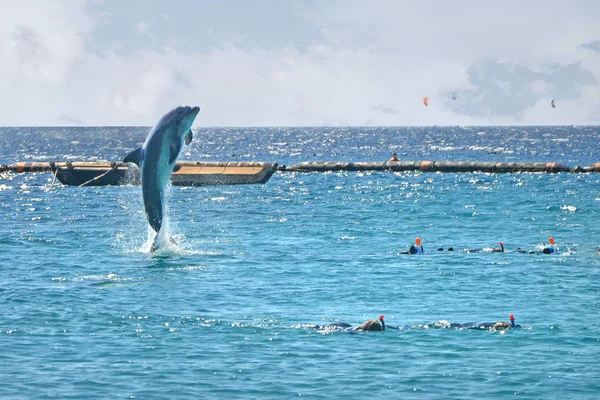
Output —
(590, 168)
(437, 166)
(201, 173)
(325, 166)
(186, 173)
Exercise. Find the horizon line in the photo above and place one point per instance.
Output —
(301, 126)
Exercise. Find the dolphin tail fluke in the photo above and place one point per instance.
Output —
(134, 157)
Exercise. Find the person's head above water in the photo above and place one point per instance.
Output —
(498, 249)
(419, 246)
(549, 249)
(506, 325)
(372, 325)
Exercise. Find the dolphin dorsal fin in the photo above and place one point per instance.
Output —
(189, 137)
(174, 150)
(134, 157)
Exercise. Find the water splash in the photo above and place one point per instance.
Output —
(161, 243)
(132, 176)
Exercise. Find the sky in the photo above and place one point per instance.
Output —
(300, 62)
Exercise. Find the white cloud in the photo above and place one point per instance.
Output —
(539, 87)
(41, 39)
(373, 65)
(142, 28)
(40, 43)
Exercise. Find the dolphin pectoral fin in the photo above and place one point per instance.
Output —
(189, 137)
(134, 157)
(174, 149)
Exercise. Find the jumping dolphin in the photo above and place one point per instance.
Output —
(156, 159)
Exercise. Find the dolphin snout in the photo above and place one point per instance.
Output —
(187, 118)
(192, 110)
(193, 113)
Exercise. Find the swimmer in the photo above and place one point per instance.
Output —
(371, 325)
(490, 326)
(550, 249)
(394, 157)
(546, 250)
(505, 325)
(419, 246)
(498, 250)
(418, 249)
(494, 326)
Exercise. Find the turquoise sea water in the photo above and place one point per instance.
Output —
(85, 313)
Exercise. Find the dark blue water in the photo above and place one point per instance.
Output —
(567, 145)
(85, 313)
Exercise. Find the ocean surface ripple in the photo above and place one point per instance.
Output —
(87, 314)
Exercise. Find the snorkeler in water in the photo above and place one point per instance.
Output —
(490, 326)
(416, 248)
(372, 325)
(550, 249)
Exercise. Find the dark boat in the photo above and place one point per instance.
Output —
(186, 173)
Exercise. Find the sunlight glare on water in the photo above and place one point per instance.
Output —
(231, 310)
